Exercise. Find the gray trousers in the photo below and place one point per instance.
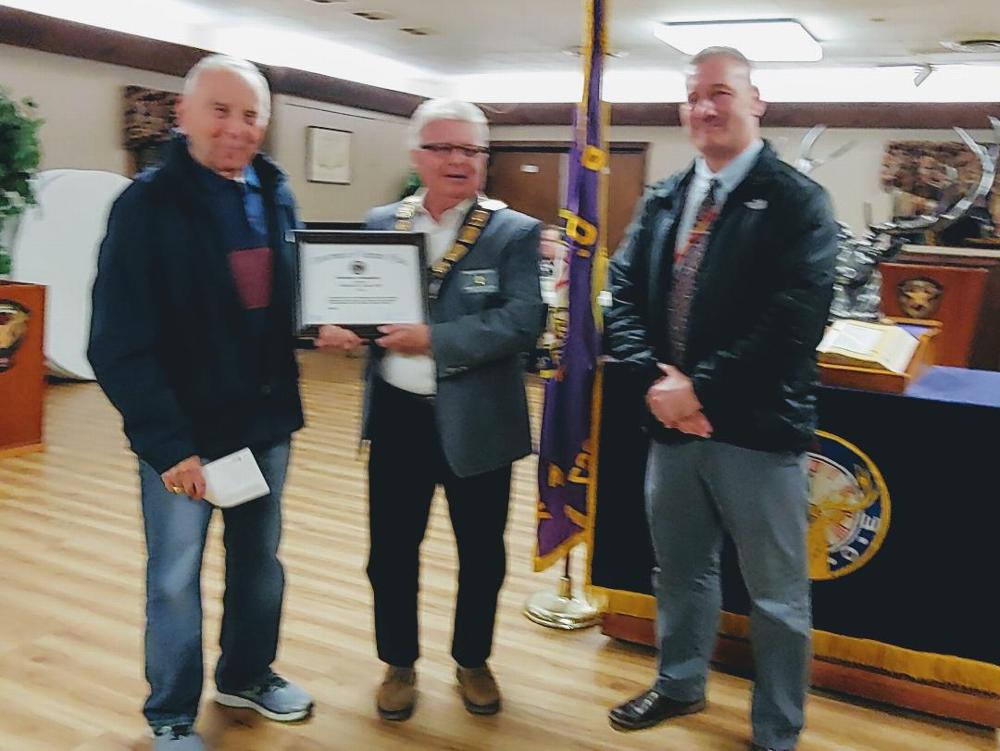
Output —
(695, 492)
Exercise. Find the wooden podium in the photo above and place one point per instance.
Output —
(960, 287)
(22, 367)
(879, 379)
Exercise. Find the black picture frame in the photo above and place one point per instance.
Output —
(359, 237)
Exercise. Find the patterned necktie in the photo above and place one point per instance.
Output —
(687, 260)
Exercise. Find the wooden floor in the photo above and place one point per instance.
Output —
(71, 617)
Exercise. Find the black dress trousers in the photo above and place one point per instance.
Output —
(405, 465)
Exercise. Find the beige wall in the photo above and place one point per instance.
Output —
(852, 180)
(379, 157)
(81, 102)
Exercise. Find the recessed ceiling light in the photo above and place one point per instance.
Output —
(373, 15)
(421, 31)
(327, 2)
(764, 40)
(981, 44)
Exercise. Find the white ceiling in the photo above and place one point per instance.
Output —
(514, 50)
(498, 35)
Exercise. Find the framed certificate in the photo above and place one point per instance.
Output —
(328, 155)
(360, 280)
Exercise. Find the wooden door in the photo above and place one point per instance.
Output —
(528, 181)
(625, 187)
(531, 177)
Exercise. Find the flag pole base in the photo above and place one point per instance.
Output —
(561, 609)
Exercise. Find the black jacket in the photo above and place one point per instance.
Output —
(169, 339)
(763, 294)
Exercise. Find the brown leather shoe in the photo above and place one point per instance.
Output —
(479, 690)
(397, 694)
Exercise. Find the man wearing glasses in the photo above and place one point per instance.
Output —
(445, 401)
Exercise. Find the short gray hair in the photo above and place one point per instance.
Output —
(730, 53)
(243, 68)
(447, 109)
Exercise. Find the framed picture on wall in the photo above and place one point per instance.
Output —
(328, 155)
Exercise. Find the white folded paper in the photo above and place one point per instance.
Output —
(234, 479)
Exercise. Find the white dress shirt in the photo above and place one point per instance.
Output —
(416, 373)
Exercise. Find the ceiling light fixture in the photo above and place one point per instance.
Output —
(762, 40)
(980, 44)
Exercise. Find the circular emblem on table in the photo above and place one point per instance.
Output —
(359, 267)
(13, 326)
(919, 297)
(848, 508)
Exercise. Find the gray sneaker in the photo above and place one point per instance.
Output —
(274, 697)
(176, 738)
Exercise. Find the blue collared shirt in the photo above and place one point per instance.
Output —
(728, 178)
(253, 201)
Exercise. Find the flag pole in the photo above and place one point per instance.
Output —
(568, 445)
(561, 609)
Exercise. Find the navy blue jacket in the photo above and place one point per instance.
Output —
(169, 340)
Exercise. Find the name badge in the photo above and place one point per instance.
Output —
(479, 281)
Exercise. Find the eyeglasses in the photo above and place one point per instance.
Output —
(446, 149)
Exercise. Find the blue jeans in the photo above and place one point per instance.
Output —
(176, 528)
(694, 493)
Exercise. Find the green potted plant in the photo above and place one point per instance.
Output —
(411, 185)
(19, 157)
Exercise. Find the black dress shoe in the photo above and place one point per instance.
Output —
(650, 708)
(756, 747)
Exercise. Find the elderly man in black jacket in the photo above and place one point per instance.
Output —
(721, 293)
(192, 341)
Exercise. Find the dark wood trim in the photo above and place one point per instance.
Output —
(932, 116)
(616, 147)
(873, 685)
(529, 114)
(629, 628)
(943, 259)
(322, 88)
(35, 31)
(32, 30)
(646, 113)
(735, 655)
(935, 116)
(559, 113)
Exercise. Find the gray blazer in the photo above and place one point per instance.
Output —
(478, 341)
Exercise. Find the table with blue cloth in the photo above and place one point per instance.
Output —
(905, 513)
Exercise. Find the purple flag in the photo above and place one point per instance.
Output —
(566, 453)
